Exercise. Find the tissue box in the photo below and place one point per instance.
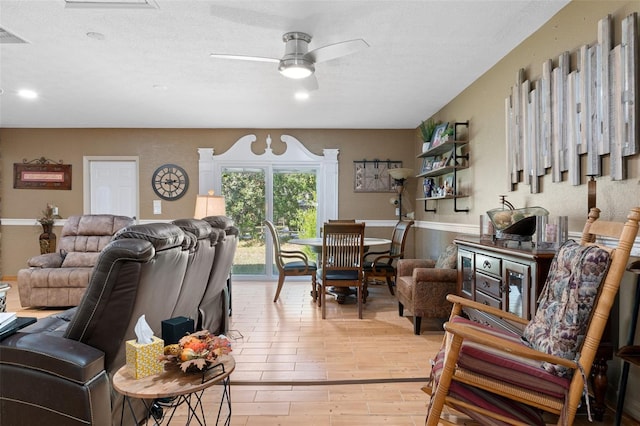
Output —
(143, 358)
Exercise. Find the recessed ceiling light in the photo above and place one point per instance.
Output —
(160, 87)
(27, 94)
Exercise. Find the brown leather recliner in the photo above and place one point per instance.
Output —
(218, 292)
(73, 356)
(60, 279)
(199, 267)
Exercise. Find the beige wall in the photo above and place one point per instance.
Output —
(158, 146)
(483, 104)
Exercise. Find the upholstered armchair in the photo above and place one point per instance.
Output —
(422, 286)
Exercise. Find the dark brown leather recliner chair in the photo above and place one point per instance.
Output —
(71, 357)
(199, 267)
(218, 292)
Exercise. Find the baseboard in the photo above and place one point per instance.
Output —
(9, 278)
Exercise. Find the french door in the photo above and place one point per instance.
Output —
(283, 194)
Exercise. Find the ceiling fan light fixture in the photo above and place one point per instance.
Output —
(296, 68)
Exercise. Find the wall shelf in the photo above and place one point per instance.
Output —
(441, 165)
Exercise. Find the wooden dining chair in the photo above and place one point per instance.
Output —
(382, 264)
(342, 260)
(497, 376)
(291, 263)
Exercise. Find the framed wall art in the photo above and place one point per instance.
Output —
(41, 173)
(373, 175)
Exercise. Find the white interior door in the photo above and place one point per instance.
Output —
(111, 185)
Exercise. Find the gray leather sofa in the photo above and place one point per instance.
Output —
(146, 269)
(60, 279)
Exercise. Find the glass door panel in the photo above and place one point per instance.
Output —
(294, 206)
(466, 274)
(515, 298)
(244, 190)
(284, 195)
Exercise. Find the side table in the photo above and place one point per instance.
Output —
(172, 388)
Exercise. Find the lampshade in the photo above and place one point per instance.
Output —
(400, 173)
(209, 205)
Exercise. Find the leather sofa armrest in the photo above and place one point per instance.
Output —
(405, 267)
(48, 260)
(56, 355)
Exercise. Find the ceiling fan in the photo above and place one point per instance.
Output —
(298, 62)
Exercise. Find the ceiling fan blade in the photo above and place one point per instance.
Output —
(336, 50)
(244, 57)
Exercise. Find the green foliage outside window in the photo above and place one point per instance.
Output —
(294, 199)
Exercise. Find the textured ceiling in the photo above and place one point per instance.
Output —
(151, 67)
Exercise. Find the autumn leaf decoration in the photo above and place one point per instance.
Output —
(196, 350)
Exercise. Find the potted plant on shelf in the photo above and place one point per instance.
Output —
(425, 131)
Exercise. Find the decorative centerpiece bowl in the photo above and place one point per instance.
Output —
(195, 352)
(515, 224)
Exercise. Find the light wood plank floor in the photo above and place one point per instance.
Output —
(293, 368)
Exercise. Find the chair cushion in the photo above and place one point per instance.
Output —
(504, 366)
(566, 301)
(80, 260)
(340, 275)
(299, 266)
(448, 259)
(484, 399)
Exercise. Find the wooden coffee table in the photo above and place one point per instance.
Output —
(173, 387)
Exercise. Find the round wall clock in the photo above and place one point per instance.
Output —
(170, 182)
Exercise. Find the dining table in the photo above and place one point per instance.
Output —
(315, 244)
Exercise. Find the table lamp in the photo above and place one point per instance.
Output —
(400, 175)
(209, 205)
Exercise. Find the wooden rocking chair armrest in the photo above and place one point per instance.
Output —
(473, 334)
(458, 300)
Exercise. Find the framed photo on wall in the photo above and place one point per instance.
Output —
(437, 133)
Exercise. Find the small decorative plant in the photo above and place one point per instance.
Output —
(49, 215)
(426, 128)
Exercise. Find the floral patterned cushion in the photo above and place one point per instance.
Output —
(448, 259)
(565, 304)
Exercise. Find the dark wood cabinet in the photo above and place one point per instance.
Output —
(505, 274)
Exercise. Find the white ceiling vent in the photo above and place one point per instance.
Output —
(6, 37)
(112, 4)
